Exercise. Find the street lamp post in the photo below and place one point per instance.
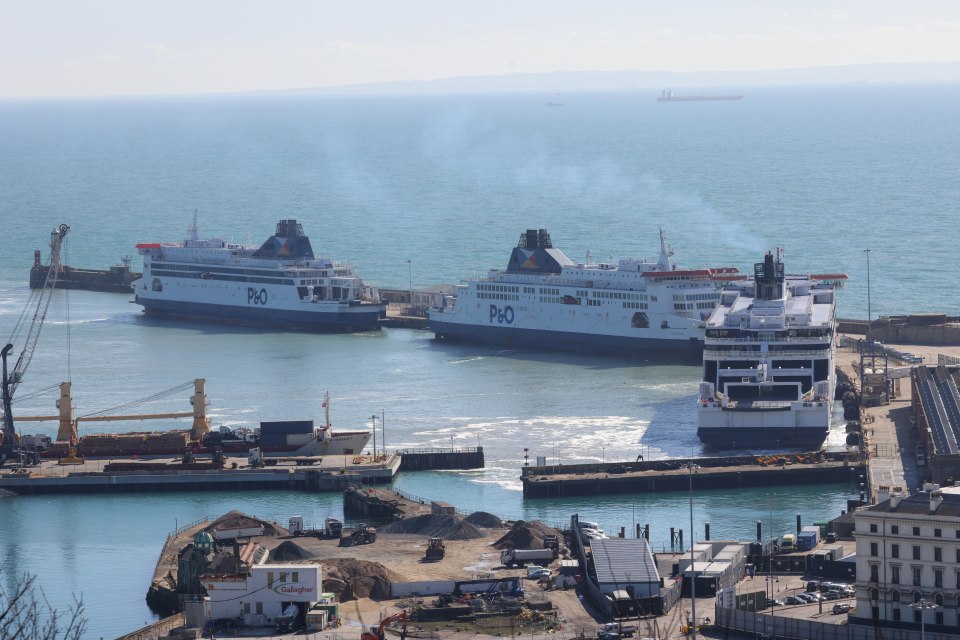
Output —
(410, 276)
(374, 418)
(693, 570)
(869, 310)
(922, 606)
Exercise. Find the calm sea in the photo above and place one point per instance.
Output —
(447, 182)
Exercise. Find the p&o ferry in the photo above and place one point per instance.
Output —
(281, 283)
(544, 300)
(768, 361)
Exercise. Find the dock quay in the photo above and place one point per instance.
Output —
(331, 473)
(732, 472)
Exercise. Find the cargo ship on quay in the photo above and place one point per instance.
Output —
(281, 283)
(544, 300)
(768, 361)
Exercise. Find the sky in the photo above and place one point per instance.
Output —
(149, 47)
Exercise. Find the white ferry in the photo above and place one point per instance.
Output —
(544, 300)
(280, 283)
(768, 361)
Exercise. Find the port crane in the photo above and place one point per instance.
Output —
(8, 435)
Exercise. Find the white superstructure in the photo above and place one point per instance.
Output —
(544, 300)
(280, 283)
(768, 361)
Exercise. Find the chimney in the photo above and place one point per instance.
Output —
(929, 486)
(883, 493)
(895, 499)
(936, 499)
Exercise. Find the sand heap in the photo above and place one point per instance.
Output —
(485, 520)
(435, 525)
(526, 535)
(350, 579)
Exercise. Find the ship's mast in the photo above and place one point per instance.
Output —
(193, 230)
(326, 409)
(663, 263)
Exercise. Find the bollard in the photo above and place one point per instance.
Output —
(759, 531)
(673, 538)
(798, 523)
(706, 531)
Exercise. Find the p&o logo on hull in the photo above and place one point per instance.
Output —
(256, 297)
(501, 316)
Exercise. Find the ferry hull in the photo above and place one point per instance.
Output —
(565, 340)
(352, 318)
(806, 438)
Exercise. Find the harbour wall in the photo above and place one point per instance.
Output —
(920, 329)
(427, 459)
(669, 475)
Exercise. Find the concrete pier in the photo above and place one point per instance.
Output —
(427, 459)
(669, 475)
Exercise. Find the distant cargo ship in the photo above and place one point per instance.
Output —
(117, 279)
(669, 96)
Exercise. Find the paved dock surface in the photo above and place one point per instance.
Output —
(888, 435)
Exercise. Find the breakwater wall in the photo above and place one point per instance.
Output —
(671, 475)
(428, 459)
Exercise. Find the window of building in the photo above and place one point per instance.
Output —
(894, 551)
(874, 549)
(874, 573)
(916, 552)
(916, 578)
(938, 578)
(873, 528)
(916, 531)
(895, 578)
(895, 596)
(916, 597)
(938, 599)
(938, 617)
(938, 554)
(295, 576)
(283, 576)
(937, 533)
(874, 595)
(896, 614)
(958, 556)
(246, 607)
(894, 529)
(917, 614)
(269, 577)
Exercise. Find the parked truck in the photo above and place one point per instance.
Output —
(332, 528)
(521, 557)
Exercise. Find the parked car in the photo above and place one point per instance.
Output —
(539, 573)
(842, 607)
(832, 595)
(806, 597)
(793, 600)
(771, 602)
(813, 585)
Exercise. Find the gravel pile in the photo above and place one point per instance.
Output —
(526, 535)
(485, 520)
(289, 551)
(435, 525)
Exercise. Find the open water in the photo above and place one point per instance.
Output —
(447, 182)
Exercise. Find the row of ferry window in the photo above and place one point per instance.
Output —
(679, 297)
(498, 288)
(616, 295)
(680, 306)
(497, 296)
(220, 276)
(214, 269)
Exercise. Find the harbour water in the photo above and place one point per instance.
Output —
(447, 182)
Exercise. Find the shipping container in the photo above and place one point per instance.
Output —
(286, 426)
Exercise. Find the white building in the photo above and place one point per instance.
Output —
(625, 564)
(908, 551)
(263, 594)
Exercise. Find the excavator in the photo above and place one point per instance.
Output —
(9, 443)
(376, 633)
